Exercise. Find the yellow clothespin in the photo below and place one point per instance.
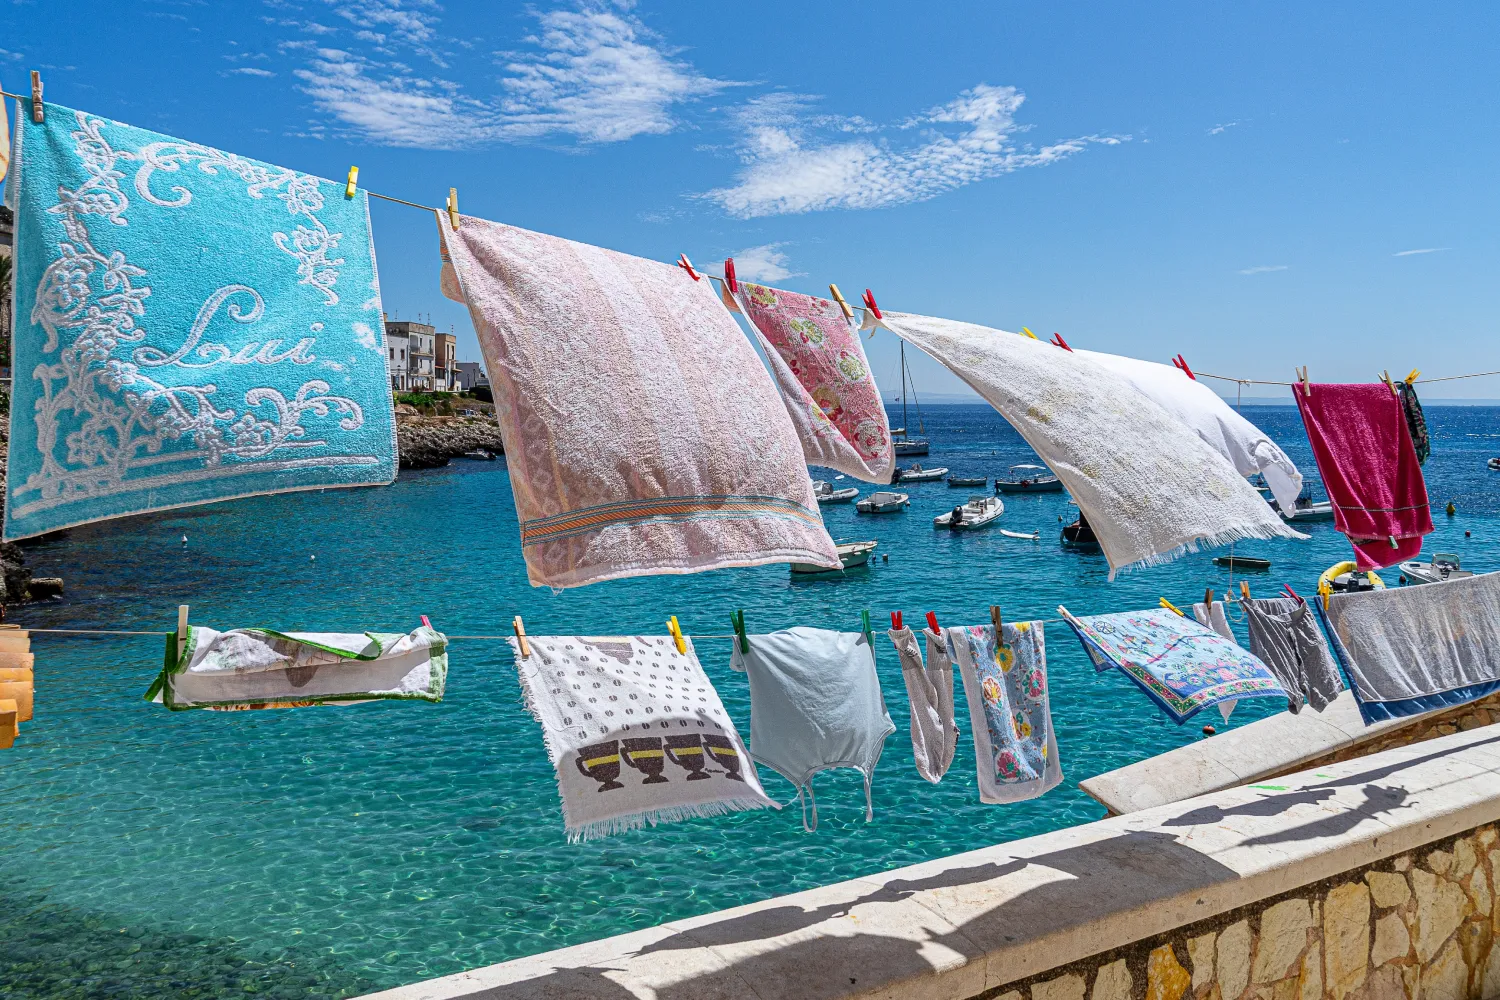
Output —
(1302, 378)
(839, 298)
(1028, 333)
(1171, 607)
(520, 628)
(1244, 590)
(1385, 377)
(676, 631)
(1412, 377)
(349, 187)
(453, 208)
(1325, 590)
(36, 97)
(182, 631)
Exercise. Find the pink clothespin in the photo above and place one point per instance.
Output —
(870, 304)
(426, 622)
(896, 620)
(729, 278)
(687, 265)
(1058, 340)
(1292, 593)
(1182, 365)
(932, 623)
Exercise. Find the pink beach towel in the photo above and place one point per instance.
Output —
(641, 431)
(1369, 468)
(825, 380)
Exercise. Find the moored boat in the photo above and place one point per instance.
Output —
(883, 502)
(1441, 568)
(969, 482)
(1493, 463)
(851, 554)
(916, 474)
(1344, 577)
(1034, 536)
(824, 493)
(909, 445)
(1242, 562)
(1029, 479)
(977, 513)
(1079, 535)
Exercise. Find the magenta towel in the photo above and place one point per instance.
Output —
(642, 433)
(1369, 468)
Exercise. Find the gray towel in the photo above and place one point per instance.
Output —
(1287, 640)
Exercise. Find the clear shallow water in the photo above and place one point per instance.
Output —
(336, 851)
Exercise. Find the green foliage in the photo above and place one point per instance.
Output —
(421, 400)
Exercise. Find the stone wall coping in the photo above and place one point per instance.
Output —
(954, 927)
(1268, 746)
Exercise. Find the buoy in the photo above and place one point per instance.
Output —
(1466, 534)
(1452, 509)
(312, 558)
(885, 557)
(184, 541)
(1209, 730)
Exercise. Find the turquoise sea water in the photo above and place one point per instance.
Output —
(331, 851)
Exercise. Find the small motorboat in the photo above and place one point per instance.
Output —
(827, 494)
(1306, 509)
(1034, 536)
(1494, 463)
(1343, 577)
(1079, 535)
(853, 555)
(480, 455)
(1443, 566)
(968, 482)
(1029, 479)
(883, 502)
(1242, 562)
(916, 474)
(979, 512)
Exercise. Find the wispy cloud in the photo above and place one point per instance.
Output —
(1218, 129)
(249, 71)
(1264, 268)
(8, 54)
(790, 168)
(1410, 253)
(598, 75)
(766, 262)
(413, 21)
(397, 109)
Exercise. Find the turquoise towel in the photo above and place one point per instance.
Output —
(190, 326)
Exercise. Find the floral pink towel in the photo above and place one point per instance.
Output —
(1369, 468)
(641, 431)
(825, 380)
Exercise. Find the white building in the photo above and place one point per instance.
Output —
(469, 374)
(396, 344)
(413, 344)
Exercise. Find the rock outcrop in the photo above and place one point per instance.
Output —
(428, 442)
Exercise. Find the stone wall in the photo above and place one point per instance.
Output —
(1424, 727)
(1419, 926)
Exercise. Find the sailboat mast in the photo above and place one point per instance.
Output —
(903, 388)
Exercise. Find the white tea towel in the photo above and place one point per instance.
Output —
(1246, 447)
(1151, 489)
(257, 668)
(1414, 649)
(635, 731)
(641, 429)
(929, 689)
(1216, 620)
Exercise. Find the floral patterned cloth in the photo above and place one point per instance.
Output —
(825, 380)
(1015, 748)
(1181, 665)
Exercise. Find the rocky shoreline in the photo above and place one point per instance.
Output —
(429, 442)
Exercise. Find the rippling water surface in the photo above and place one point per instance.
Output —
(335, 851)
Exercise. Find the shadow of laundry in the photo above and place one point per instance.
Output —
(1378, 799)
(1271, 805)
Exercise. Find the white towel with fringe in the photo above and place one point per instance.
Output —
(1151, 489)
(1225, 431)
(635, 732)
(251, 668)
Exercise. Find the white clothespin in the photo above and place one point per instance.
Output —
(182, 631)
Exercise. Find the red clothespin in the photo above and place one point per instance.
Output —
(1058, 340)
(932, 623)
(426, 622)
(870, 304)
(729, 278)
(687, 265)
(896, 620)
(1181, 364)
(1292, 593)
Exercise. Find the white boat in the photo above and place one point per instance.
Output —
(852, 554)
(968, 482)
(1444, 566)
(827, 494)
(1308, 509)
(1493, 463)
(917, 474)
(883, 502)
(1034, 536)
(979, 512)
(904, 443)
(1029, 479)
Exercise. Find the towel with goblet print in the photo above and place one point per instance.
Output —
(635, 731)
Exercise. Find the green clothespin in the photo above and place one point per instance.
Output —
(737, 619)
(869, 636)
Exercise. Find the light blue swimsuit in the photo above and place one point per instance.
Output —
(815, 704)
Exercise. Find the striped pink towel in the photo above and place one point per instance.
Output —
(642, 432)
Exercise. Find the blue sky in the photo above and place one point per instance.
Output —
(1256, 186)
